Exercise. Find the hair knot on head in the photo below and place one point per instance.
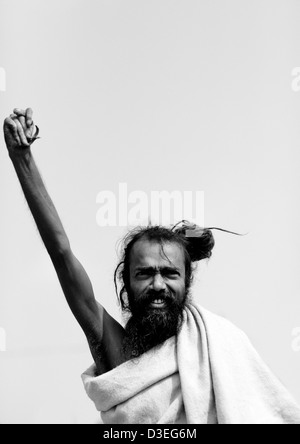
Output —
(200, 241)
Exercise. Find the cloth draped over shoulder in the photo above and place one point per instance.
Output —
(209, 374)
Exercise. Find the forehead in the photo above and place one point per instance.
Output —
(151, 254)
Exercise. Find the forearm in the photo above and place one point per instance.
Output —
(40, 204)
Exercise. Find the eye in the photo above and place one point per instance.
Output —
(171, 273)
(143, 273)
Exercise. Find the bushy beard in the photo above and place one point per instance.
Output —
(148, 326)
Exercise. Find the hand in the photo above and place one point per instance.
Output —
(19, 131)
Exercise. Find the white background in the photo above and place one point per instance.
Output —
(163, 95)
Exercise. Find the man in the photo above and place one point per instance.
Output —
(174, 362)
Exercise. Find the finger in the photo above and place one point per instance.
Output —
(23, 123)
(21, 133)
(29, 114)
(10, 123)
(19, 112)
(21, 120)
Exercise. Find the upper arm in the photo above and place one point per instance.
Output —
(104, 334)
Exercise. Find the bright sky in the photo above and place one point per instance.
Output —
(162, 95)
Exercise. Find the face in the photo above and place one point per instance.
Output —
(157, 295)
(157, 271)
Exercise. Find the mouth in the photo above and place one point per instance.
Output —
(158, 303)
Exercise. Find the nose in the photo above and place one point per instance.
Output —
(158, 283)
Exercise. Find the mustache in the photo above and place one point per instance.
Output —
(142, 305)
(150, 295)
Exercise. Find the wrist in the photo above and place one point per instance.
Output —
(19, 156)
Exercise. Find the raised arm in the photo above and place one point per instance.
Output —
(104, 334)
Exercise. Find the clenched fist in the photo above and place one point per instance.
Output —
(20, 131)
